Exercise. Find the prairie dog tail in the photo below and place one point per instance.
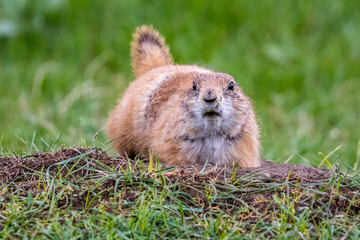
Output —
(148, 50)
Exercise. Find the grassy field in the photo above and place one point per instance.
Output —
(64, 63)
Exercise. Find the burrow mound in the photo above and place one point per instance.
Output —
(254, 187)
(14, 168)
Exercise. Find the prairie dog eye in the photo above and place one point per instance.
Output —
(194, 86)
(231, 86)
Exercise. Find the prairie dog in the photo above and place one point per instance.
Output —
(183, 114)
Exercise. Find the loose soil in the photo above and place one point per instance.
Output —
(254, 188)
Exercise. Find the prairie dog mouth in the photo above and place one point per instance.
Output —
(212, 114)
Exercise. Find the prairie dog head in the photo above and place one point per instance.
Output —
(216, 104)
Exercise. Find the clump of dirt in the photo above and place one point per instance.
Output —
(271, 172)
(13, 169)
(252, 187)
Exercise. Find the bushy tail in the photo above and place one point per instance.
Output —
(148, 50)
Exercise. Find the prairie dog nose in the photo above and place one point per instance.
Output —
(209, 96)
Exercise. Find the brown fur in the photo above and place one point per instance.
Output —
(148, 51)
(184, 114)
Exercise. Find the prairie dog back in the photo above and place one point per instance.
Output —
(184, 114)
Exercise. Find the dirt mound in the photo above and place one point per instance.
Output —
(11, 168)
(255, 188)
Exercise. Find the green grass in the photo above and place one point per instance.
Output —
(67, 62)
(81, 198)
(64, 63)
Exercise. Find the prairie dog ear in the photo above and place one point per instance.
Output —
(148, 50)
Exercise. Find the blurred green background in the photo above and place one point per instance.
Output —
(64, 63)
